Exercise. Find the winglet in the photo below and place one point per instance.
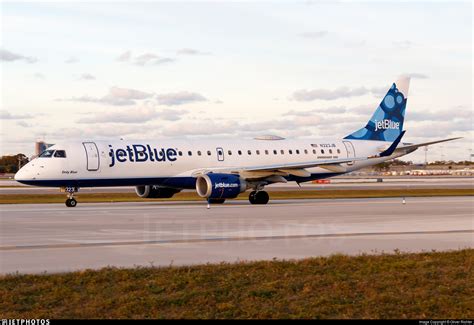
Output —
(393, 146)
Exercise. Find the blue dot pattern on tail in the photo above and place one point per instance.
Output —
(387, 122)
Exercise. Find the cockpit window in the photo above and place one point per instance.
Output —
(47, 154)
(60, 154)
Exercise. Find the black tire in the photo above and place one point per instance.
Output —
(252, 197)
(215, 201)
(262, 197)
(71, 203)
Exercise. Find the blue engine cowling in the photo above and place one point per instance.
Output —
(220, 186)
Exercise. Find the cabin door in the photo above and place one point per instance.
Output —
(92, 156)
(350, 150)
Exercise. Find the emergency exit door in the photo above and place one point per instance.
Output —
(220, 154)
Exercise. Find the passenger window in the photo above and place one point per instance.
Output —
(60, 154)
(208, 153)
(258, 152)
(297, 152)
(330, 150)
(239, 152)
(282, 152)
(47, 154)
(249, 152)
(275, 152)
(338, 151)
(180, 153)
(266, 152)
(306, 151)
(314, 151)
(322, 151)
(199, 153)
(190, 153)
(290, 152)
(229, 152)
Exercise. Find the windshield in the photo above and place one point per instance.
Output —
(47, 154)
(60, 154)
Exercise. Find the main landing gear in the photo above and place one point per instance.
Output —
(259, 197)
(71, 201)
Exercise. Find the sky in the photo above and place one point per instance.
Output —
(160, 70)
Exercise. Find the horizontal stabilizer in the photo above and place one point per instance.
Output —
(424, 144)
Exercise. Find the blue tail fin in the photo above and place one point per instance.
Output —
(387, 122)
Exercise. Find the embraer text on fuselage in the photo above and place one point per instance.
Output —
(141, 153)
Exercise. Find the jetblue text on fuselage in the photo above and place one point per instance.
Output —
(141, 153)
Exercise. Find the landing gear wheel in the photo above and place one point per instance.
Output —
(215, 201)
(71, 203)
(260, 197)
(252, 198)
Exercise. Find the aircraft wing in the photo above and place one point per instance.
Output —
(297, 169)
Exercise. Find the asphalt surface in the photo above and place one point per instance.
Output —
(12, 187)
(51, 237)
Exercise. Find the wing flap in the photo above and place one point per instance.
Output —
(336, 168)
(303, 165)
(301, 172)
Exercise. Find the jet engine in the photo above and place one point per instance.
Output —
(154, 191)
(220, 186)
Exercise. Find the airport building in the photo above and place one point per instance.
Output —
(41, 146)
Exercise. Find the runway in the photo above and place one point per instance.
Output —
(337, 183)
(53, 238)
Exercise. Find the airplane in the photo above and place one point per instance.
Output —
(220, 169)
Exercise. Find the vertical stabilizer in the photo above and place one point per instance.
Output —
(386, 124)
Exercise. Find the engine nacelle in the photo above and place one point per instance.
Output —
(154, 192)
(220, 186)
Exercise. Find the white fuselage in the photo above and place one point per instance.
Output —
(175, 162)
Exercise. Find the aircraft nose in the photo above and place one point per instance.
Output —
(20, 174)
(23, 174)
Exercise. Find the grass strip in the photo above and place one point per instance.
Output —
(434, 285)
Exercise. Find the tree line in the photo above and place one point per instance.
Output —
(11, 164)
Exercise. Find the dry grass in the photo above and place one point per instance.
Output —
(426, 285)
(274, 195)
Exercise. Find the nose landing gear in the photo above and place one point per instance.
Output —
(259, 197)
(71, 201)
